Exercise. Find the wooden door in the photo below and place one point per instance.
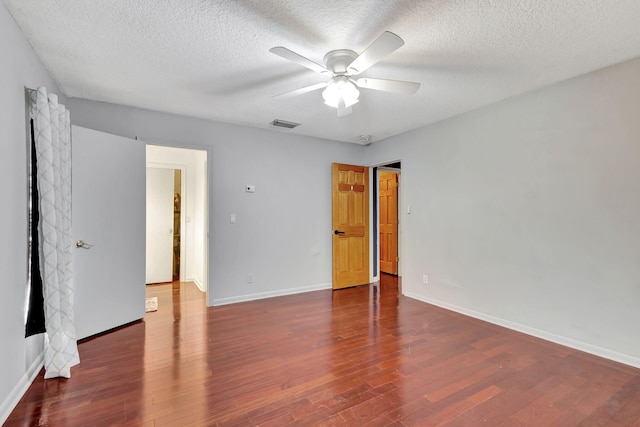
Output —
(350, 208)
(108, 210)
(388, 191)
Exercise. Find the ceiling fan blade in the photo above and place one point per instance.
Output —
(300, 91)
(395, 86)
(298, 59)
(381, 47)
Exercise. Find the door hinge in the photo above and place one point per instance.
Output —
(397, 259)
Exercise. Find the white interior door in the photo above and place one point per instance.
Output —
(108, 208)
(160, 185)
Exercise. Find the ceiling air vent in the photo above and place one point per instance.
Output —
(284, 124)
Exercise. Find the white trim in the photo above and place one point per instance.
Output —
(271, 294)
(197, 282)
(548, 336)
(21, 388)
(205, 224)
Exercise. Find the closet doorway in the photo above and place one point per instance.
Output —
(388, 196)
(386, 229)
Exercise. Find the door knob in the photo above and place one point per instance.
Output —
(338, 232)
(83, 245)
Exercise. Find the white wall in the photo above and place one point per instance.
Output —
(283, 232)
(19, 358)
(527, 212)
(195, 178)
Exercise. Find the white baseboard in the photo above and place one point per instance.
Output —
(548, 336)
(197, 283)
(270, 294)
(20, 388)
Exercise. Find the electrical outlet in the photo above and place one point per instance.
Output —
(425, 279)
(249, 278)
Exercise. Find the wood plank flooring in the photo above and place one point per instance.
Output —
(356, 357)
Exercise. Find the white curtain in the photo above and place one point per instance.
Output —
(52, 133)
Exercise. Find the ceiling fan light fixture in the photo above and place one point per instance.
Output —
(341, 89)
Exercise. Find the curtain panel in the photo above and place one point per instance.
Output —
(35, 308)
(52, 136)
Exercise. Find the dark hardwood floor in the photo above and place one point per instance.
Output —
(354, 357)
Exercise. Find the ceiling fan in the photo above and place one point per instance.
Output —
(342, 65)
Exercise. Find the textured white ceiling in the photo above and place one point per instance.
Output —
(210, 58)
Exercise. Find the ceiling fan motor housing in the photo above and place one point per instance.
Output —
(337, 61)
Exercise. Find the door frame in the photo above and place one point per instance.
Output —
(208, 209)
(183, 207)
(375, 225)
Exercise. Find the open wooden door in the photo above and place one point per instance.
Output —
(388, 191)
(108, 210)
(350, 218)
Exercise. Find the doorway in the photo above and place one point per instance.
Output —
(386, 212)
(177, 224)
(184, 256)
(388, 221)
(164, 223)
